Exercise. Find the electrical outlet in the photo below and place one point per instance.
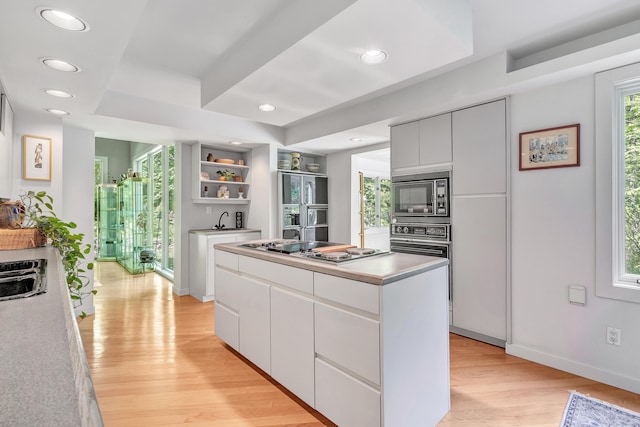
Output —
(209, 210)
(613, 336)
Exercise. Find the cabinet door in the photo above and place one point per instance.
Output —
(245, 237)
(255, 322)
(226, 325)
(479, 149)
(292, 351)
(435, 140)
(345, 400)
(405, 150)
(349, 340)
(210, 266)
(479, 297)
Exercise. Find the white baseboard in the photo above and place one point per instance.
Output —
(180, 291)
(607, 377)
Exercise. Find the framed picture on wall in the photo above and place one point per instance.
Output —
(550, 148)
(36, 157)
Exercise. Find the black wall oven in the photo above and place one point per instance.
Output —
(421, 217)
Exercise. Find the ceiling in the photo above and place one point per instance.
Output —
(163, 70)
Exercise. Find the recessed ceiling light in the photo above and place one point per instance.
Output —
(62, 19)
(58, 93)
(356, 139)
(57, 112)
(57, 64)
(374, 56)
(236, 143)
(267, 107)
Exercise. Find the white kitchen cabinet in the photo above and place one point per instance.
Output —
(205, 166)
(435, 140)
(349, 340)
(405, 145)
(424, 142)
(254, 322)
(345, 400)
(361, 354)
(292, 346)
(479, 265)
(202, 260)
(480, 149)
(227, 325)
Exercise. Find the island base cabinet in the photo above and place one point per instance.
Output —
(348, 340)
(226, 325)
(255, 322)
(345, 400)
(292, 350)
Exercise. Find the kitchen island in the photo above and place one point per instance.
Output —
(44, 373)
(365, 342)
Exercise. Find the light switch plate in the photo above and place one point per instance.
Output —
(577, 295)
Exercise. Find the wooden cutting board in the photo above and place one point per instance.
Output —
(336, 248)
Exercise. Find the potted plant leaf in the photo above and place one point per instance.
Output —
(226, 175)
(38, 213)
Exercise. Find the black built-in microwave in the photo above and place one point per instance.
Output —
(420, 197)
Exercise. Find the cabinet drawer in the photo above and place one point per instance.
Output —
(345, 400)
(227, 291)
(226, 325)
(291, 277)
(349, 340)
(360, 295)
(227, 260)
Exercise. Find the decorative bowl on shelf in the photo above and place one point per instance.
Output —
(226, 161)
(313, 167)
(284, 164)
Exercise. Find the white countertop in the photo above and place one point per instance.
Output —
(44, 373)
(378, 270)
(213, 232)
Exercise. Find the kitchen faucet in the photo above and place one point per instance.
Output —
(219, 226)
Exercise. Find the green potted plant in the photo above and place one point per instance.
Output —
(38, 213)
(226, 175)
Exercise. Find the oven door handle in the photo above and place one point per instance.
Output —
(443, 243)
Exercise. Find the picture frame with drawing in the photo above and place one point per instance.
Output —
(557, 147)
(36, 156)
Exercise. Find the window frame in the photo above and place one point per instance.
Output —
(610, 89)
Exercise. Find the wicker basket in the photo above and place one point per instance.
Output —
(21, 238)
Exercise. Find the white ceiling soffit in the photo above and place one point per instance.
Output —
(323, 69)
(27, 39)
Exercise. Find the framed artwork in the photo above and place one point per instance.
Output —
(36, 155)
(550, 148)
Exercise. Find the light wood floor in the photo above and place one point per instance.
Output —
(155, 361)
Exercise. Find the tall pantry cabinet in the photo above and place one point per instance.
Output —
(472, 143)
(479, 218)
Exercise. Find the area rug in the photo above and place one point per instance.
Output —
(585, 411)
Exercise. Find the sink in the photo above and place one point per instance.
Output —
(21, 279)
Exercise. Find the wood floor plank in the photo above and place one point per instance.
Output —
(155, 361)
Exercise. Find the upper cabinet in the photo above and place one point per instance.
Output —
(422, 143)
(480, 149)
(219, 176)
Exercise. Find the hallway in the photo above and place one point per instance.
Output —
(155, 361)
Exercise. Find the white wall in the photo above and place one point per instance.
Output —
(118, 153)
(45, 125)
(6, 147)
(553, 246)
(78, 187)
(343, 192)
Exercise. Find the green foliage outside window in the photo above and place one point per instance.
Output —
(632, 183)
(377, 202)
